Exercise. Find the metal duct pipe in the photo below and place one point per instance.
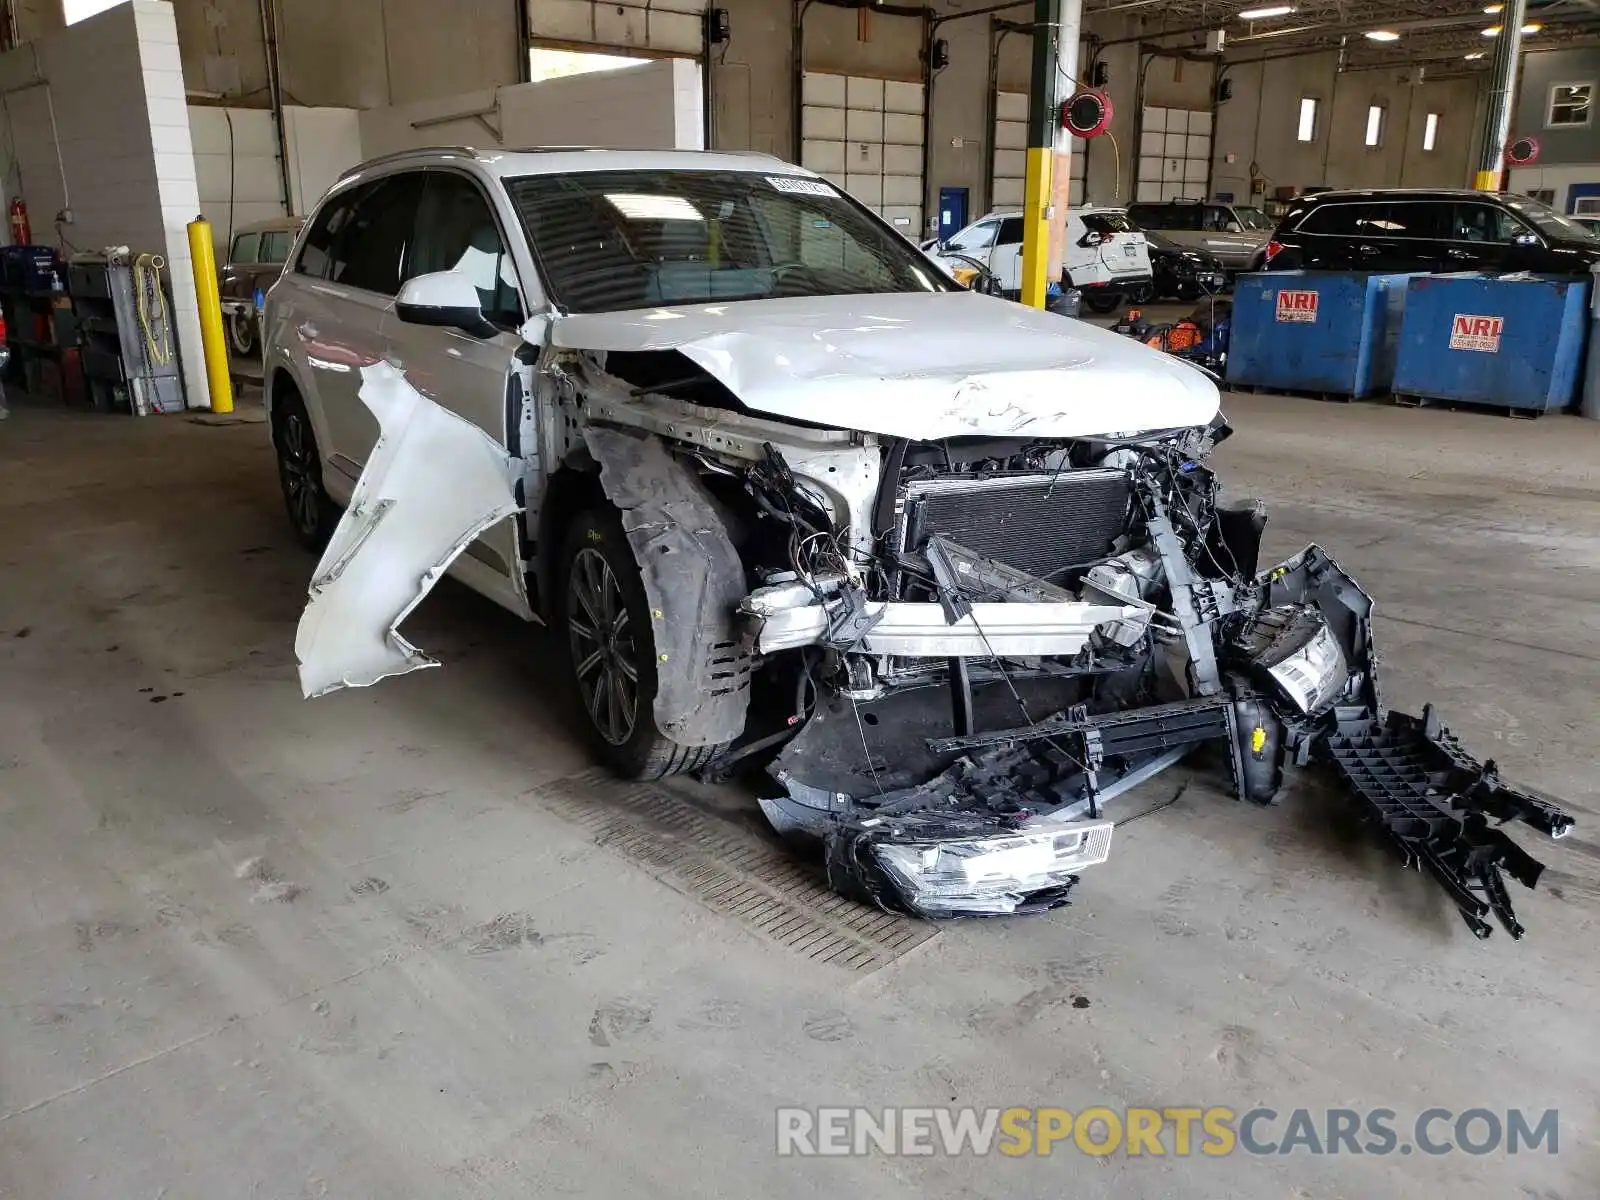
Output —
(1502, 96)
(269, 45)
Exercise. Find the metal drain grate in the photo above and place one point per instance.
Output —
(731, 871)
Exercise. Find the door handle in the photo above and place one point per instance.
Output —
(1366, 249)
(1458, 253)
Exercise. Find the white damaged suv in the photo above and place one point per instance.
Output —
(954, 572)
(767, 470)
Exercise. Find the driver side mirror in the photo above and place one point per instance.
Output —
(446, 299)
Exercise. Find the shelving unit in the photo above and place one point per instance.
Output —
(130, 359)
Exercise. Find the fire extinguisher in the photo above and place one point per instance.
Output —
(21, 235)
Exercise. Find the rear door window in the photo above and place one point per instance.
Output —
(332, 219)
(1404, 219)
(371, 251)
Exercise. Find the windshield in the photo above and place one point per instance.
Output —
(611, 240)
(1547, 220)
(1253, 218)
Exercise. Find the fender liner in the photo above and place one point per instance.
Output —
(694, 580)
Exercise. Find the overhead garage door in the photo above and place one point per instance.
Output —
(1011, 154)
(671, 26)
(865, 134)
(1174, 154)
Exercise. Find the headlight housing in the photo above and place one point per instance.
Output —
(992, 875)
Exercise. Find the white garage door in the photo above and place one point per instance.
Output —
(865, 134)
(1011, 154)
(1174, 154)
(672, 26)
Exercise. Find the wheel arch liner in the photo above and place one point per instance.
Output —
(399, 535)
(693, 580)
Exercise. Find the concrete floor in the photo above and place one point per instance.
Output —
(252, 945)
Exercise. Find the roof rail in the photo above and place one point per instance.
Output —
(396, 155)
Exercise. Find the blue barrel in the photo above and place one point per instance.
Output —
(1316, 331)
(1510, 341)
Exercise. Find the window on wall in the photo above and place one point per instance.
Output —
(73, 11)
(1570, 104)
(1307, 130)
(1430, 131)
(1375, 113)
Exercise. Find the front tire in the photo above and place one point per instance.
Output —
(611, 653)
(242, 339)
(312, 512)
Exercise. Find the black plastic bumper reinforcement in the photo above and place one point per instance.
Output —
(1436, 803)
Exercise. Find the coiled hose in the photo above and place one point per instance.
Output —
(151, 302)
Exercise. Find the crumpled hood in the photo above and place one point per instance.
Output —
(919, 365)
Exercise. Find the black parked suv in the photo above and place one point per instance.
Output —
(1396, 229)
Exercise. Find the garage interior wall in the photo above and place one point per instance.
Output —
(236, 161)
(1259, 124)
(861, 112)
(656, 105)
(120, 156)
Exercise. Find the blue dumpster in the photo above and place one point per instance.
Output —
(1509, 341)
(1316, 331)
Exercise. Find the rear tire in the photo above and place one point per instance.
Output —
(611, 654)
(312, 512)
(1102, 303)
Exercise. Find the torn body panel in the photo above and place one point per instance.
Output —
(400, 533)
(693, 579)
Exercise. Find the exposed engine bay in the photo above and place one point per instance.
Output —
(967, 663)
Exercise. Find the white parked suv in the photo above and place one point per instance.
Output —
(1107, 257)
(767, 471)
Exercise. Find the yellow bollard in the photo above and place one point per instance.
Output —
(204, 261)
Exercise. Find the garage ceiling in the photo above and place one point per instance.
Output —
(1438, 32)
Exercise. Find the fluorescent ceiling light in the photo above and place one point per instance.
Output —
(1383, 35)
(1530, 27)
(1493, 8)
(1474, 56)
(1256, 14)
(637, 207)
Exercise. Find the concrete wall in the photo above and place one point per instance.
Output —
(1541, 70)
(351, 53)
(120, 157)
(236, 161)
(1259, 125)
(654, 106)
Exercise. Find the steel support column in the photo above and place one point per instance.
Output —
(1502, 96)
(1068, 37)
(1043, 106)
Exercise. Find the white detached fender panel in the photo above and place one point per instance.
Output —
(432, 484)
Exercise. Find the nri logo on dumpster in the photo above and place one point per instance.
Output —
(1471, 332)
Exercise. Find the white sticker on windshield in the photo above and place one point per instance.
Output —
(802, 187)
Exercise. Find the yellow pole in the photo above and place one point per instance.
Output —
(204, 261)
(1036, 226)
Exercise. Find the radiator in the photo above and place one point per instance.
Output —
(1038, 523)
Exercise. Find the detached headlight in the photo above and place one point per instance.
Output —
(1294, 646)
(993, 874)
